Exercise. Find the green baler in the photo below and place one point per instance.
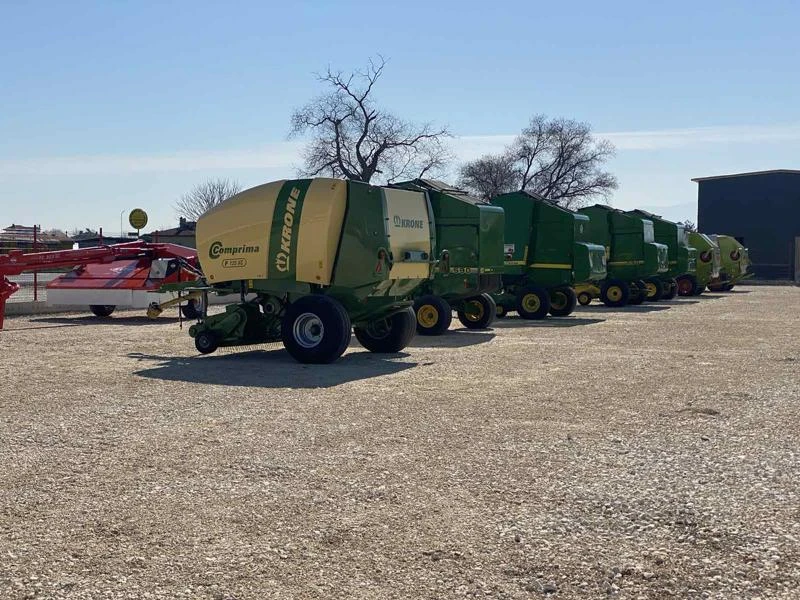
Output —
(547, 252)
(709, 263)
(311, 258)
(468, 253)
(735, 263)
(682, 257)
(632, 256)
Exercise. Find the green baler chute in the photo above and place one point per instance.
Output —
(547, 251)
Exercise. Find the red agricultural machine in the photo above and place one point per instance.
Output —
(105, 277)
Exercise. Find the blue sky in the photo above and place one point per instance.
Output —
(105, 106)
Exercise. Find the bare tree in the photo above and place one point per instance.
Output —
(559, 159)
(689, 225)
(205, 196)
(352, 137)
(490, 176)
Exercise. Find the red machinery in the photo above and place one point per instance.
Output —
(104, 277)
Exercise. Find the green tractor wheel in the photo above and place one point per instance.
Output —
(206, 342)
(687, 285)
(481, 311)
(434, 315)
(501, 312)
(315, 329)
(654, 289)
(388, 335)
(615, 293)
(533, 302)
(584, 298)
(562, 301)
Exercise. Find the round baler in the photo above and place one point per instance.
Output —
(632, 256)
(468, 247)
(735, 263)
(709, 262)
(682, 258)
(547, 252)
(316, 257)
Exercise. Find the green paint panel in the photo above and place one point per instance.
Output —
(282, 255)
(682, 257)
(708, 257)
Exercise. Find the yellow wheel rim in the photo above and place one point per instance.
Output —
(614, 293)
(531, 302)
(427, 315)
(477, 311)
(651, 289)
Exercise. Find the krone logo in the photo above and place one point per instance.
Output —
(283, 255)
(408, 223)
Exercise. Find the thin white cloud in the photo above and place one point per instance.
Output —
(285, 155)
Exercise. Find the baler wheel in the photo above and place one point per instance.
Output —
(192, 310)
(102, 310)
(533, 302)
(654, 289)
(501, 312)
(433, 315)
(615, 293)
(638, 291)
(687, 285)
(316, 329)
(562, 301)
(670, 289)
(206, 342)
(584, 298)
(388, 335)
(484, 311)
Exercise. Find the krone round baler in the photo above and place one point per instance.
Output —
(709, 263)
(317, 257)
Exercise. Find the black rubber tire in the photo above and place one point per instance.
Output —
(524, 306)
(566, 301)
(192, 310)
(487, 312)
(336, 329)
(687, 284)
(501, 312)
(656, 292)
(102, 310)
(637, 291)
(584, 298)
(699, 289)
(389, 335)
(670, 289)
(436, 306)
(206, 342)
(728, 287)
(619, 298)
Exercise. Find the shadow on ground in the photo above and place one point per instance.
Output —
(454, 338)
(268, 368)
(512, 321)
(629, 308)
(140, 319)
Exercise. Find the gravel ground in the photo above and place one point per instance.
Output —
(646, 452)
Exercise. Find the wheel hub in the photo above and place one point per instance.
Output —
(614, 293)
(531, 302)
(427, 315)
(308, 330)
(475, 311)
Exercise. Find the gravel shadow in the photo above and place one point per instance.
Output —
(455, 338)
(630, 308)
(268, 369)
(141, 319)
(514, 321)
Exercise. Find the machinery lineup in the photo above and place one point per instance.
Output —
(309, 262)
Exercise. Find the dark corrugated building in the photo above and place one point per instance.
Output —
(761, 210)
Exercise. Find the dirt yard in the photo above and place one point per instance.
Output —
(645, 452)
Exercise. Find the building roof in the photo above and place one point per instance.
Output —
(184, 229)
(791, 171)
